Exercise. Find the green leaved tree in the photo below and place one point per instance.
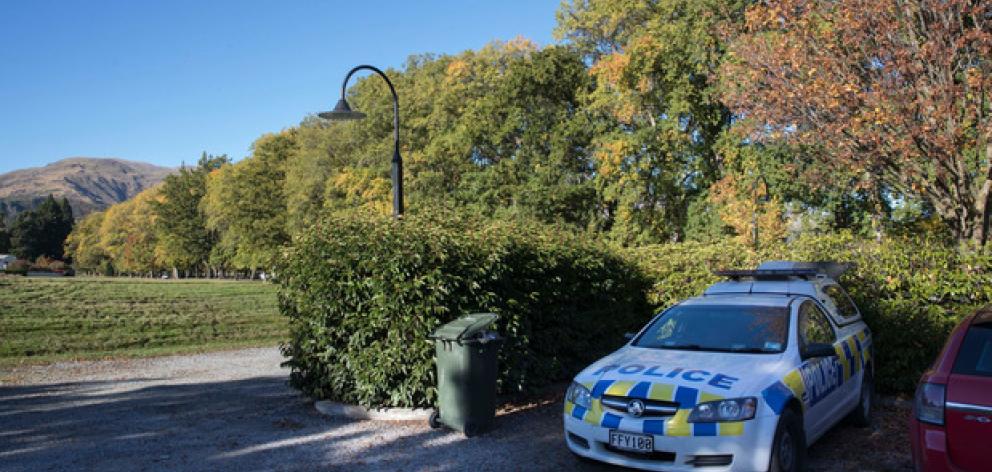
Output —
(42, 230)
(652, 62)
(529, 141)
(184, 241)
(245, 204)
(4, 235)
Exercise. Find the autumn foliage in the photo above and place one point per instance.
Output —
(889, 94)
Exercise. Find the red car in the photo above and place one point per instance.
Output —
(951, 427)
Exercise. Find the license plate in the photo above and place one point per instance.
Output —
(631, 442)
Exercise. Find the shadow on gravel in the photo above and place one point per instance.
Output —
(148, 425)
(528, 439)
(531, 439)
(244, 425)
(259, 423)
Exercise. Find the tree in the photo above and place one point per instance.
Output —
(184, 241)
(4, 235)
(128, 236)
(892, 92)
(500, 129)
(652, 62)
(83, 244)
(529, 141)
(246, 204)
(43, 230)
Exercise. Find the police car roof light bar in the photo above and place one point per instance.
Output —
(767, 273)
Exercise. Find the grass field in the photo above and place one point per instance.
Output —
(44, 320)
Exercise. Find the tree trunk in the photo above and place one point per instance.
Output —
(978, 226)
(984, 203)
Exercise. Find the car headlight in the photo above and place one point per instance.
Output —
(578, 395)
(731, 409)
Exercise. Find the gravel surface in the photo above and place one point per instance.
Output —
(233, 411)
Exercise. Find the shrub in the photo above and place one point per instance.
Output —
(682, 270)
(911, 292)
(18, 267)
(42, 264)
(363, 292)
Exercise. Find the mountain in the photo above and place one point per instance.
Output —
(90, 184)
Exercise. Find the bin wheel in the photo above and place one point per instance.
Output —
(434, 420)
(471, 430)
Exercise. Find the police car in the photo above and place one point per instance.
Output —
(741, 378)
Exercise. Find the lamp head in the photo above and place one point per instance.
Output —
(342, 112)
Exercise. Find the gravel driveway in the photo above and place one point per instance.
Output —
(233, 411)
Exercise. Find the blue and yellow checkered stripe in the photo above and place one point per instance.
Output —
(853, 353)
(676, 425)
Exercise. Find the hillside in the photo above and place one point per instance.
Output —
(90, 184)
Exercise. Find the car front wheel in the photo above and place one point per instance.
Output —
(789, 446)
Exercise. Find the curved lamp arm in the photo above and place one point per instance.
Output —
(396, 101)
(397, 167)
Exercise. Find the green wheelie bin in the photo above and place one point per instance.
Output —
(466, 374)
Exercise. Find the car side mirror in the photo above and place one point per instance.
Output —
(629, 336)
(813, 350)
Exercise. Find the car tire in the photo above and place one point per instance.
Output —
(789, 445)
(861, 416)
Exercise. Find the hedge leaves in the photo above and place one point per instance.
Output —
(363, 292)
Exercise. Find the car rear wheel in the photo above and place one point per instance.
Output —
(861, 416)
(789, 446)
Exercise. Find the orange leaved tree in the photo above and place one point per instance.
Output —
(893, 90)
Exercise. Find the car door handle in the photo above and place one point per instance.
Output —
(969, 408)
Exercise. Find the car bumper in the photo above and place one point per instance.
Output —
(749, 451)
(929, 445)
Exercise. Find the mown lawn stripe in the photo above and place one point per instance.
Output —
(53, 319)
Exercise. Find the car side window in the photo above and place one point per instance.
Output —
(813, 325)
(843, 302)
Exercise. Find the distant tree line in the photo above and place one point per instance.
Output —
(651, 122)
(39, 232)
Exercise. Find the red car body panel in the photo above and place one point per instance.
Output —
(962, 442)
(969, 431)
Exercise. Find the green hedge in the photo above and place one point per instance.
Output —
(363, 292)
(911, 292)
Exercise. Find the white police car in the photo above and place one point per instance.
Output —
(741, 378)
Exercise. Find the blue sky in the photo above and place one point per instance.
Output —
(161, 81)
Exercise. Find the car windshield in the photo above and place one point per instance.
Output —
(725, 328)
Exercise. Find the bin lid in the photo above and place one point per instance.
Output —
(465, 327)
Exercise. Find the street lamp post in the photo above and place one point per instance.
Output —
(342, 112)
